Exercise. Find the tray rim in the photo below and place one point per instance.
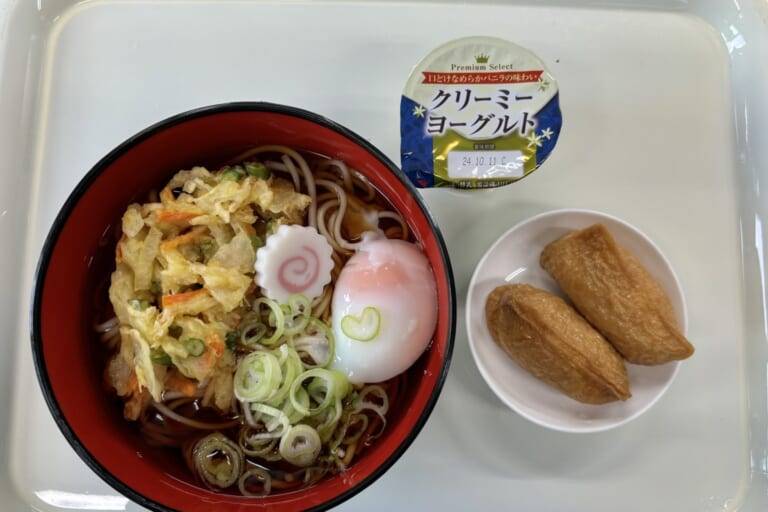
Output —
(754, 165)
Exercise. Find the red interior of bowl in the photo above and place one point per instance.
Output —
(63, 336)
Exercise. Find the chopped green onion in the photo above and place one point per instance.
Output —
(139, 304)
(279, 319)
(294, 415)
(230, 340)
(272, 318)
(175, 330)
(298, 311)
(235, 173)
(332, 416)
(195, 346)
(257, 170)
(351, 429)
(258, 376)
(256, 447)
(323, 386)
(252, 332)
(372, 397)
(257, 241)
(274, 420)
(316, 342)
(263, 478)
(160, 357)
(282, 401)
(218, 460)
(207, 248)
(271, 227)
(300, 445)
(363, 328)
(291, 367)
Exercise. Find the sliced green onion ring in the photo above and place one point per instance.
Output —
(298, 311)
(194, 346)
(138, 304)
(257, 377)
(264, 448)
(279, 319)
(317, 343)
(159, 356)
(252, 332)
(218, 460)
(300, 445)
(372, 397)
(323, 385)
(357, 431)
(275, 421)
(291, 367)
(232, 173)
(331, 421)
(263, 482)
(366, 327)
(272, 318)
(296, 415)
(257, 170)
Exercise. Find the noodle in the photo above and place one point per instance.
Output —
(277, 166)
(338, 215)
(400, 221)
(346, 177)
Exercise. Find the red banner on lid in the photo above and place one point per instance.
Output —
(497, 77)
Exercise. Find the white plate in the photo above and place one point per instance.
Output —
(514, 258)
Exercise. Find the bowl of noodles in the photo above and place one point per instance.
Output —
(217, 316)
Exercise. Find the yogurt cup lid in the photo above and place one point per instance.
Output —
(477, 112)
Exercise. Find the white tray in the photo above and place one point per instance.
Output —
(665, 115)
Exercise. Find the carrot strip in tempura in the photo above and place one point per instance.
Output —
(188, 237)
(216, 345)
(180, 298)
(177, 382)
(177, 216)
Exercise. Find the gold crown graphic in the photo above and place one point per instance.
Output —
(482, 58)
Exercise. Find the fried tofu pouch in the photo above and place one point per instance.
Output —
(549, 339)
(617, 295)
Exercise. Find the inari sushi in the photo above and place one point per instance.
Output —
(549, 339)
(617, 295)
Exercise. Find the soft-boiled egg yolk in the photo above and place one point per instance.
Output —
(384, 310)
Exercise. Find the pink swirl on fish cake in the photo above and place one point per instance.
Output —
(299, 272)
